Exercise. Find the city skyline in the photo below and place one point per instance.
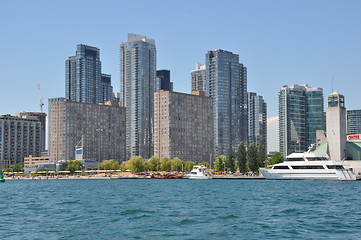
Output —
(280, 42)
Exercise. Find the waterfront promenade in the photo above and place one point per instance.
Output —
(121, 175)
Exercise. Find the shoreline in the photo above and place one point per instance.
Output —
(37, 178)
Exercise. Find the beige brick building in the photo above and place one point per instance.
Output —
(183, 126)
(101, 126)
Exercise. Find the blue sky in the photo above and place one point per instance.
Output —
(280, 42)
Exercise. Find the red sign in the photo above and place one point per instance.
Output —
(354, 137)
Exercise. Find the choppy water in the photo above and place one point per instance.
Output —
(180, 209)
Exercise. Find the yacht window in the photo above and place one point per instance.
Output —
(308, 167)
(335, 167)
(316, 159)
(295, 159)
(280, 167)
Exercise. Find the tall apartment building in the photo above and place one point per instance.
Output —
(137, 80)
(354, 121)
(257, 120)
(107, 89)
(42, 118)
(300, 115)
(199, 78)
(162, 81)
(183, 126)
(226, 83)
(98, 128)
(83, 75)
(19, 138)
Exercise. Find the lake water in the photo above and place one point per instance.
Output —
(180, 209)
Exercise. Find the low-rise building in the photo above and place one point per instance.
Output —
(31, 163)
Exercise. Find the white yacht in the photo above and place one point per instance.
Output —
(198, 172)
(310, 166)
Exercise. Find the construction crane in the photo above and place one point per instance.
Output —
(41, 98)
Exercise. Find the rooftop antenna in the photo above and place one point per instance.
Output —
(41, 98)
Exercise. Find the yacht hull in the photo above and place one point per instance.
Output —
(198, 177)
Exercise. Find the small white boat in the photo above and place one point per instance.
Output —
(198, 172)
(309, 166)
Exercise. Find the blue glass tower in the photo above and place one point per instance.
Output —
(300, 115)
(137, 80)
(257, 120)
(107, 89)
(163, 81)
(83, 75)
(226, 83)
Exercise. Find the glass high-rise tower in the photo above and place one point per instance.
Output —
(199, 78)
(226, 83)
(107, 89)
(137, 80)
(300, 115)
(83, 75)
(257, 120)
(354, 121)
(162, 81)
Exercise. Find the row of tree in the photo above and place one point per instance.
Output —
(138, 164)
(14, 168)
(244, 159)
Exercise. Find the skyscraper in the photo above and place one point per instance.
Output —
(107, 89)
(354, 121)
(199, 78)
(257, 120)
(300, 115)
(226, 83)
(83, 75)
(137, 80)
(163, 81)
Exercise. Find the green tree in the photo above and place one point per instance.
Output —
(276, 158)
(262, 156)
(136, 164)
(189, 165)
(220, 162)
(73, 165)
(242, 157)
(165, 164)
(230, 163)
(153, 164)
(123, 167)
(15, 168)
(252, 156)
(109, 165)
(176, 164)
